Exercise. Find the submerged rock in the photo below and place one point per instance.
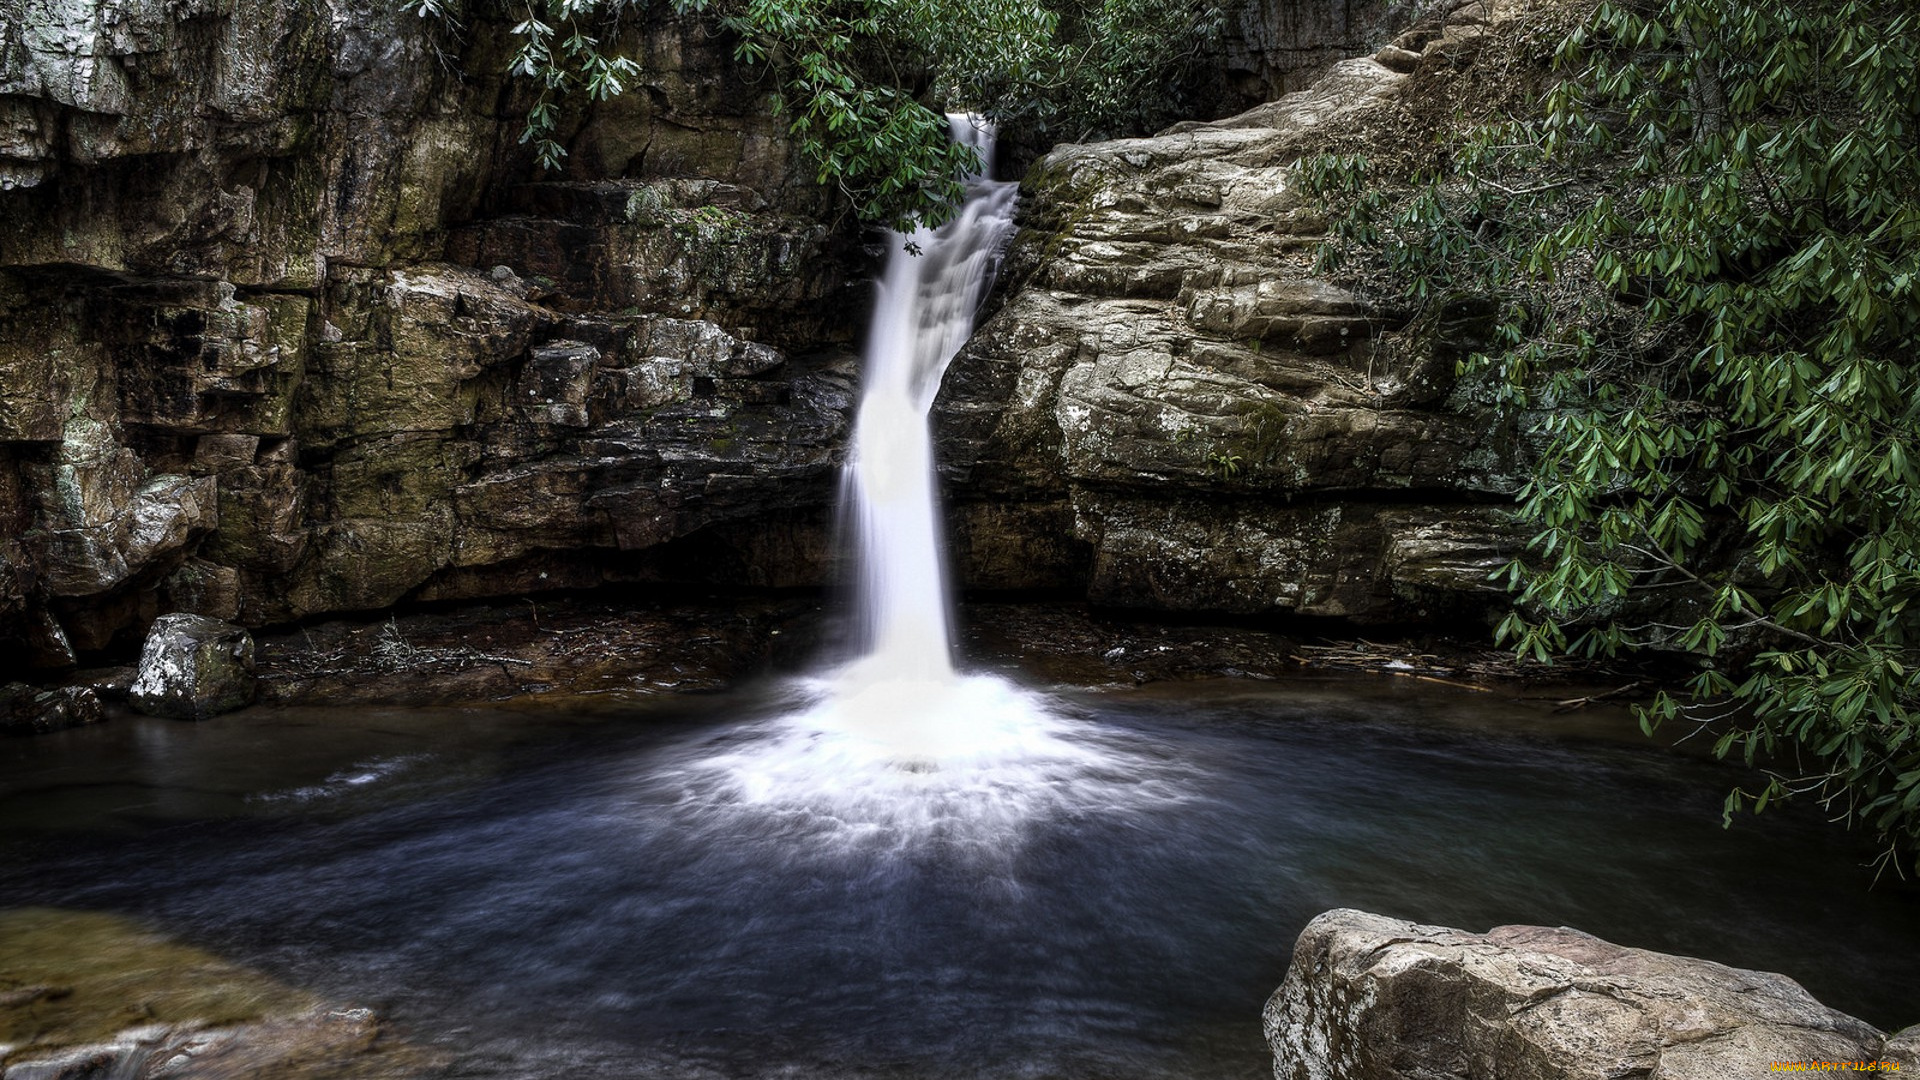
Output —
(312, 1044)
(90, 996)
(30, 710)
(194, 667)
(1372, 998)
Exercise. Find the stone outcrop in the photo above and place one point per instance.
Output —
(29, 710)
(290, 324)
(193, 667)
(1217, 426)
(1372, 998)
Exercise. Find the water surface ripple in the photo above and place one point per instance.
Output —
(1110, 890)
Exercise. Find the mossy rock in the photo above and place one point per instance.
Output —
(193, 667)
(71, 977)
(86, 994)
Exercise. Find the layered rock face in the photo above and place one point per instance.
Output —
(1372, 998)
(290, 325)
(1216, 426)
(286, 327)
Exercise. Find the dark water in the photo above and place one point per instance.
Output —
(666, 893)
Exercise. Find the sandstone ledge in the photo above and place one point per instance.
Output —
(1211, 422)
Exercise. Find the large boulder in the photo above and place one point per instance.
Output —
(1372, 998)
(194, 667)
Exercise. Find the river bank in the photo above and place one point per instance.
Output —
(623, 644)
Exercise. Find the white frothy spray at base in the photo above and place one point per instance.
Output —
(903, 698)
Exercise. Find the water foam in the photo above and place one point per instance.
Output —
(968, 765)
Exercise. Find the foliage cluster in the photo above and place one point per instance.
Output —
(1705, 240)
(862, 83)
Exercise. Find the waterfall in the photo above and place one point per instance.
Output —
(897, 749)
(924, 312)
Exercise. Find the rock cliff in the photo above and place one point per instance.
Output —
(288, 324)
(1274, 47)
(1217, 427)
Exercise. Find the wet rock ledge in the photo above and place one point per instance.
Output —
(1372, 998)
(584, 646)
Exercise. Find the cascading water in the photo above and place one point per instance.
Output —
(923, 314)
(933, 286)
(897, 746)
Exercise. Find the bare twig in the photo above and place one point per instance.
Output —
(1571, 704)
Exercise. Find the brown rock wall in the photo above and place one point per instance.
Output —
(1226, 429)
(289, 323)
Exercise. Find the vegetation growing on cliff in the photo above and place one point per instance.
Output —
(861, 82)
(1705, 237)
